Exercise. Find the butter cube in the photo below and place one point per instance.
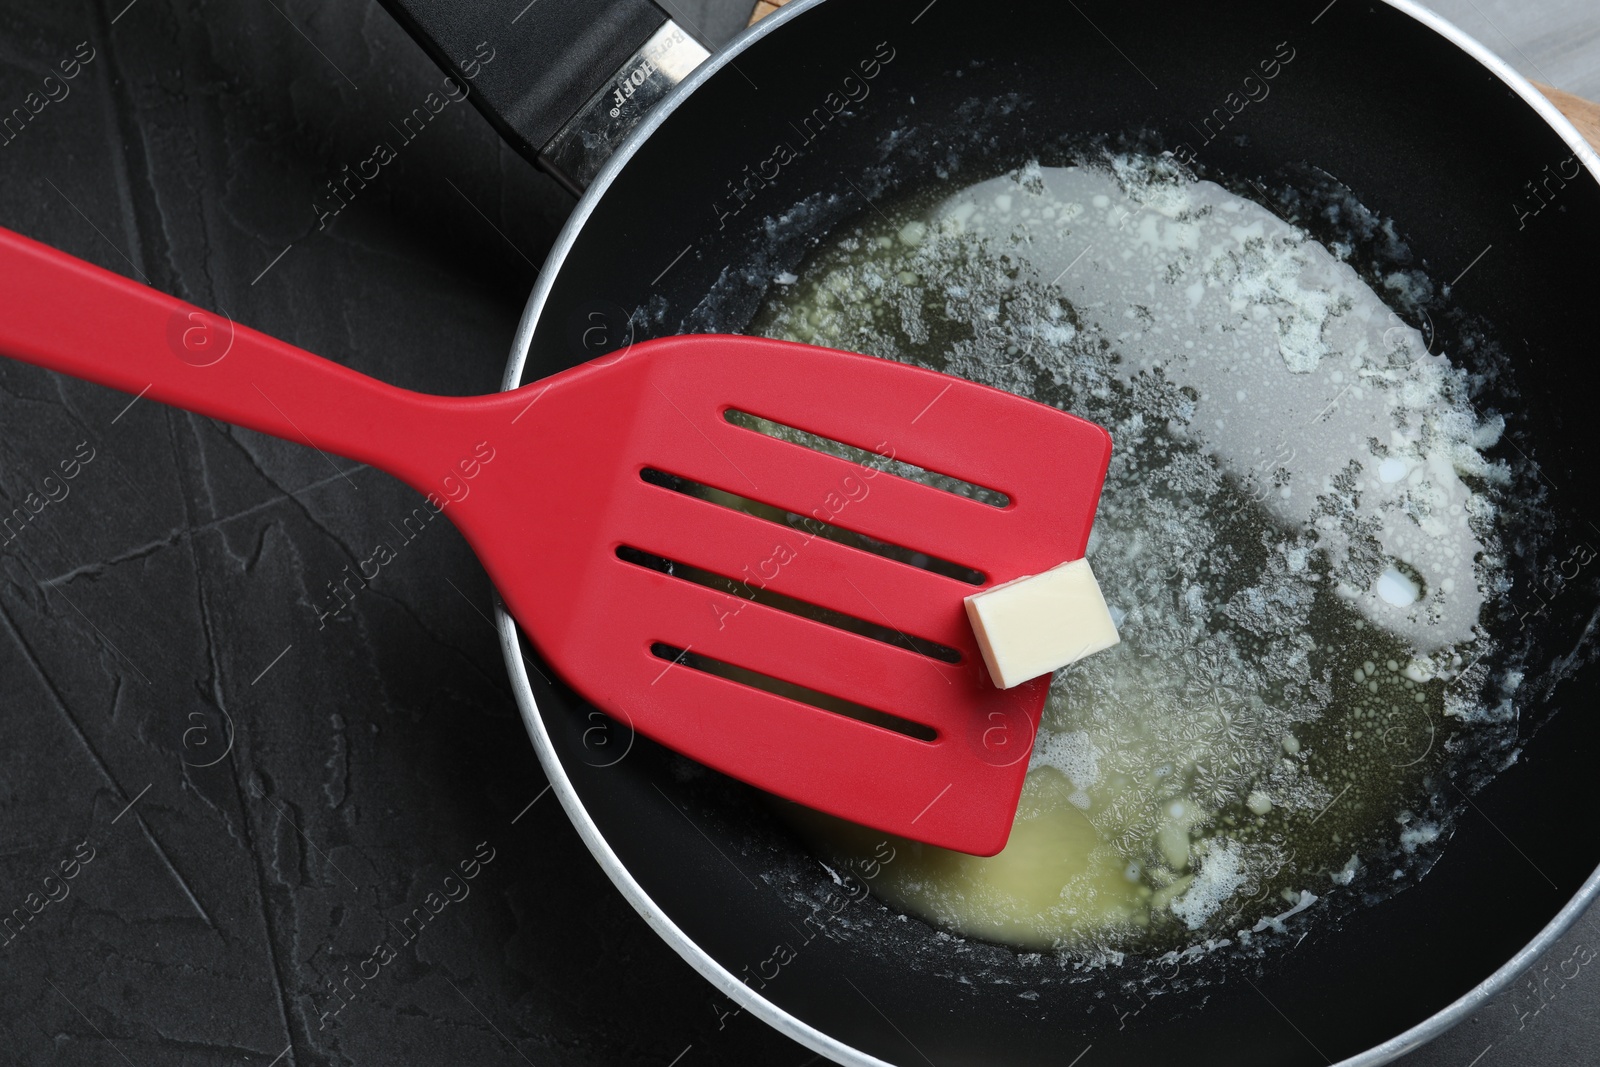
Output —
(1033, 625)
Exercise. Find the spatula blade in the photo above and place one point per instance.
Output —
(692, 618)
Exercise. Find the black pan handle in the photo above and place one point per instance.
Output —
(563, 81)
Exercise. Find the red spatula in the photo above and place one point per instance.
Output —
(611, 506)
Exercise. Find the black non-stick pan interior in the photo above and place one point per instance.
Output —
(1421, 133)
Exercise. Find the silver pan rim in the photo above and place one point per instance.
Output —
(724, 980)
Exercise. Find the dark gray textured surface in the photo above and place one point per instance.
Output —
(170, 601)
(137, 613)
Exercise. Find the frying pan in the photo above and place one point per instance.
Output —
(691, 209)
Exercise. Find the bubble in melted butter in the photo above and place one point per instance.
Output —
(1297, 532)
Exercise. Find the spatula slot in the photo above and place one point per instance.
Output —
(812, 526)
(779, 687)
(804, 609)
(878, 461)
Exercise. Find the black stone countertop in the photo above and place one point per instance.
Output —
(238, 795)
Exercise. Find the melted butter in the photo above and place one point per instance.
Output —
(1297, 531)
(1054, 873)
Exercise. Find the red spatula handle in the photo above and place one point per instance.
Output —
(59, 312)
